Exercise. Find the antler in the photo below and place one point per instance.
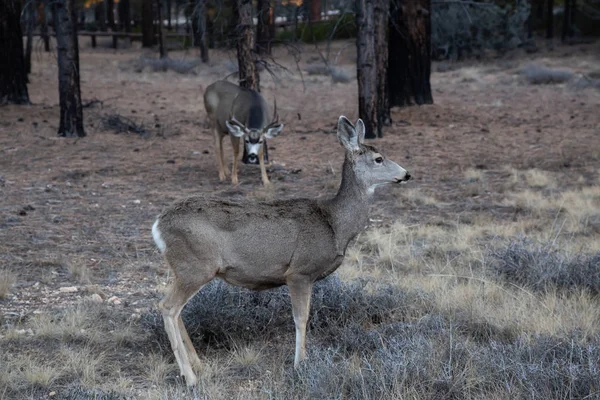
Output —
(275, 115)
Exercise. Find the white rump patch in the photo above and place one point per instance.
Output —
(160, 243)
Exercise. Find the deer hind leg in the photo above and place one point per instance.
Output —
(235, 143)
(300, 292)
(263, 169)
(180, 293)
(188, 343)
(219, 154)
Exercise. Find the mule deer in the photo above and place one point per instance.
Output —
(262, 245)
(243, 113)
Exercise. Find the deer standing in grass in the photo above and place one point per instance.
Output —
(240, 112)
(261, 245)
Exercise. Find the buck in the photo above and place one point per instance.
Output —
(261, 245)
(240, 112)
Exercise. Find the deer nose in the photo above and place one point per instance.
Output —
(252, 157)
(407, 176)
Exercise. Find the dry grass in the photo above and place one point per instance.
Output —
(476, 280)
(7, 280)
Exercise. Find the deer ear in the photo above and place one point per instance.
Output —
(273, 131)
(234, 129)
(360, 131)
(346, 134)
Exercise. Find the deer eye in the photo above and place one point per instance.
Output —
(379, 160)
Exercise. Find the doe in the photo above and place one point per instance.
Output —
(261, 245)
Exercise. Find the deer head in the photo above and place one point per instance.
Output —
(254, 137)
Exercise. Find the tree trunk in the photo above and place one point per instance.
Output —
(573, 16)
(200, 35)
(147, 24)
(169, 6)
(263, 27)
(409, 47)
(100, 17)
(566, 28)
(71, 112)
(110, 14)
(382, 11)
(176, 16)
(43, 25)
(125, 15)
(550, 19)
(249, 77)
(162, 50)
(366, 67)
(315, 10)
(30, 24)
(13, 77)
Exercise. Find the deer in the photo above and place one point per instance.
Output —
(265, 244)
(240, 112)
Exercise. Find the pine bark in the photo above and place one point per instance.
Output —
(409, 47)
(264, 27)
(71, 111)
(249, 77)
(125, 15)
(382, 11)
(162, 49)
(200, 34)
(110, 14)
(30, 25)
(13, 76)
(147, 24)
(43, 25)
(366, 68)
(550, 19)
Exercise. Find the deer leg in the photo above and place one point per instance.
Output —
(300, 291)
(188, 343)
(263, 170)
(223, 163)
(219, 154)
(235, 143)
(171, 306)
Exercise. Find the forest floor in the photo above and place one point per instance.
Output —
(496, 240)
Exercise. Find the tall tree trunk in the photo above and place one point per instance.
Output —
(71, 111)
(249, 77)
(100, 16)
(573, 23)
(110, 14)
(263, 27)
(43, 25)
(169, 6)
(566, 28)
(200, 35)
(367, 67)
(314, 10)
(147, 24)
(125, 15)
(176, 16)
(409, 47)
(550, 19)
(30, 24)
(162, 50)
(13, 77)
(382, 11)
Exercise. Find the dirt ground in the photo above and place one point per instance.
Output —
(78, 212)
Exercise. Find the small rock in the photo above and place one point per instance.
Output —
(137, 201)
(95, 298)
(114, 300)
(52, 394)
(68, 289)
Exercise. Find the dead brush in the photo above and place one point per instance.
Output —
(120, 124)
(540, 75)
(7, 280)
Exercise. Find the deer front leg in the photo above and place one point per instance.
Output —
(263, 170)
(235, 143)
(219, 154)
(300, 292)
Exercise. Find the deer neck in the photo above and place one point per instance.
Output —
(349, 209)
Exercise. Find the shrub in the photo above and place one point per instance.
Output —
(542, 267)
(463, 29)
(538, 75)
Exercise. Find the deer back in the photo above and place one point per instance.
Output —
(225, 100)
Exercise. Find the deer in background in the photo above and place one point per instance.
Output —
(240, 112)
(261, 245)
